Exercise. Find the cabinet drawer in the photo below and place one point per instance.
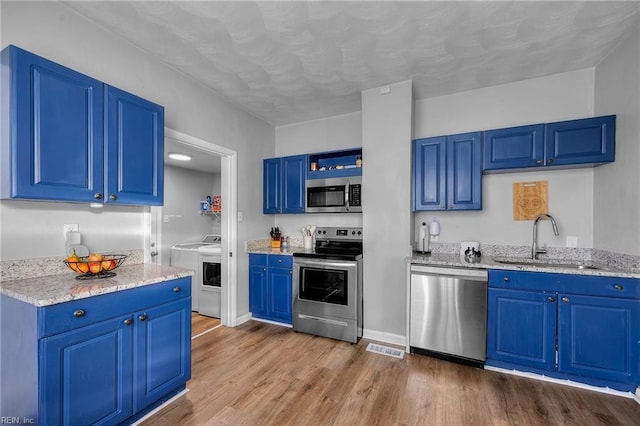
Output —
(257, 259)
(591, 285)
(280, 261)
(62, 317)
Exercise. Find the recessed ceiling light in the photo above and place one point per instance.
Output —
(179, 157)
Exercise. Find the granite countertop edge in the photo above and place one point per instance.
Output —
(488, 263)
(61, 288)
(288, 251)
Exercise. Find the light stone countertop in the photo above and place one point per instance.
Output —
(487, 262)
(285, 251)
(54, 289)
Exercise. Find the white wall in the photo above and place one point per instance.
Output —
(386, 201)
(327, 134)
(52, 30)
(182, 221)
(554, 98)
(617, 186)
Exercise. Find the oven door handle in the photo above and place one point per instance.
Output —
(325, 264)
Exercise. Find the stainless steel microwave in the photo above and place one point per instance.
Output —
(334, 195)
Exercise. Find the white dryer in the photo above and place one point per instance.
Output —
(185, 255)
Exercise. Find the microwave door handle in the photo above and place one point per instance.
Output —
(346, 197)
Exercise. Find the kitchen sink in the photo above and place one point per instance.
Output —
(546, 263)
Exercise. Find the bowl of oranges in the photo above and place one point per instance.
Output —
(95, 265)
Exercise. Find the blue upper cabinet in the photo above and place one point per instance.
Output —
(514, 147)
(585, 141)
(294, 171)
(447, 173)
(271, 186)
(429, 173)
(464, 171)
(283, 181)
(574, 143)
(54, 131)
(69, 137)
(134, 136)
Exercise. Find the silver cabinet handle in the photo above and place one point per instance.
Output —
(113, 197)
(539, 162)
(618, 287)
(143, 317)
(551, 299)
(79, 313)
(506, 279)
(550, 161)
(97, 196)
(177, 289)
(128, 321)
(565, 299)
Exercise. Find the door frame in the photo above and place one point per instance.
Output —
(229, 222)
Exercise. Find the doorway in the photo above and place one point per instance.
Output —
(229, 224)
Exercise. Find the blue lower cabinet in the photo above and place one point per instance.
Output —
(162, 351)
(270, 291)
(522, 328)
(102, 360)
(537, 323)
(599, 337)
(87, 375)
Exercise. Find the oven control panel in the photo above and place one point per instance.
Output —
(335, 233)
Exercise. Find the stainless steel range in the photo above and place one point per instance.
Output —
(327, 285)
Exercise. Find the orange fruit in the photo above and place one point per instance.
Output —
(82, 267)
(107, 265)
(95, 257)
(95, 267)
(73, 261)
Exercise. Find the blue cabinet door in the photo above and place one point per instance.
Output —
(163, 351)
(56, 137)
(294, 172)
(464, 172)
(599, 337)
(521, 328)
(134, 136)
(87, 374)
(271, 186)
(584, 141)
(513, 147)
(280, 294)
(429, 174)
(258, 285)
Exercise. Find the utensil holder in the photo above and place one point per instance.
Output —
(275, 243)
(308, 242)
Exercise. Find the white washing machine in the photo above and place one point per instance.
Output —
(210, 297)
(185, 255)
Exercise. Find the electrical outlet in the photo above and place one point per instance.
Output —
(70, 227)
(240, 216)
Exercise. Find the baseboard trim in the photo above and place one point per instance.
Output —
(571, 383)
(272, 322)
(243, 318)
(160, 407)
(380, 336)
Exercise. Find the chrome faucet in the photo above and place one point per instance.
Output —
(535, 251)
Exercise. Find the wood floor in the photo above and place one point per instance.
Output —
(263, 374)
(201, 323)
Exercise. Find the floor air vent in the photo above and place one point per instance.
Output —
(385, 350)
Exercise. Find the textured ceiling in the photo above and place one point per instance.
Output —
(287, 62)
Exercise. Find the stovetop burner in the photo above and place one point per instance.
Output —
(336, 243)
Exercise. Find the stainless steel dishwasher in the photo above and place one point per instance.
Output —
(448, 313)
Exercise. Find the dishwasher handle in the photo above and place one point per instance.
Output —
(466, 273)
